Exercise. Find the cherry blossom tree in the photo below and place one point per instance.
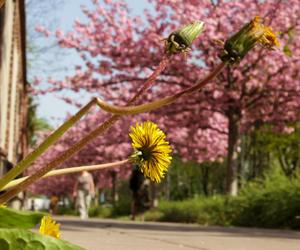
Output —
(118, 51)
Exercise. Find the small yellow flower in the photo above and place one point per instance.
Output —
(254, 32)
(3, 205)
(151, 150)
(49, 227)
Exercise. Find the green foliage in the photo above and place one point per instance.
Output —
(13, 233)
(206, 211)
(275, 202)
(265, 148)
(287, 50)
(35, 124)
(272, 202)
(153, 215)
(188, 179)
(180, 211)
(286, 148)
(118, 208)
(291, 34)
(18, 219)
(100, 211)
(62, 210)
(23, 239)
(123, 205)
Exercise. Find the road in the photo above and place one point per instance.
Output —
(102, 234)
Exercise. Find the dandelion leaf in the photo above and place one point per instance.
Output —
(21, 239)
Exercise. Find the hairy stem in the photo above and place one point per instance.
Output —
(88, 138)
(70, 170)
(22, 165)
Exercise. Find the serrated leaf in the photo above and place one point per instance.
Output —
(10, 218)
(21, 239)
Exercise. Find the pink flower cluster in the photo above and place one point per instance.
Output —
(118, 51)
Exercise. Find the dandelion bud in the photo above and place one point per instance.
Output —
(237, 46)
(181, 39)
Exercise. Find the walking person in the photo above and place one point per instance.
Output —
(84, 191)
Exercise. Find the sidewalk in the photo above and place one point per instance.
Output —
(102, 234)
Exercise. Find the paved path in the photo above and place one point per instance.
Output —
(94, 234)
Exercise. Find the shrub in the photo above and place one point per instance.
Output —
(272, 202)
(66, 211)
(203, 210)
(122, 207)
(100, 211)
(275, 202)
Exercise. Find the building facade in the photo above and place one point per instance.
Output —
(13, 92)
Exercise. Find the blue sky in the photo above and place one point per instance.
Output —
(50, 107)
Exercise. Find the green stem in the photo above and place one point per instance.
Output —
(70, 170)
(88, 138)
(131, 110)
(22, 165)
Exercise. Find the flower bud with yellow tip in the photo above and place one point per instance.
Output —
(251, 34)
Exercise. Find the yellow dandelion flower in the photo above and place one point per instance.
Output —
(49, 227)
(253, 33)
(264, 34)
(151, 150)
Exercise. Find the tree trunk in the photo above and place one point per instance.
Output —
(153, 195)
(205, 179)
(168, 184)
(231, 165)
(115, 195)
(24, 124)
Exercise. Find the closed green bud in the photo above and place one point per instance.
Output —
(181, 39)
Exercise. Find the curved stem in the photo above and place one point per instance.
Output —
(68, 171)
(88, 138)
(161, 102)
